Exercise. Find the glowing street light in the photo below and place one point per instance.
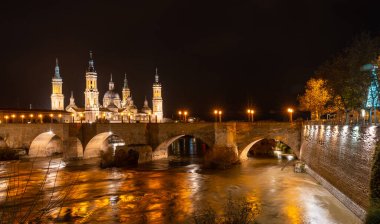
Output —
(6, 119)
(60, 118)
(180, 115)
(22, 118)
(290, 111)
(250, 113)
(122, 117)
(51, 118)
(40, 117)
(73, 115)
(13, 117)
(185, 115)
(81, 117)
(218, 114)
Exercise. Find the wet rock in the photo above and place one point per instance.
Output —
(299, 167)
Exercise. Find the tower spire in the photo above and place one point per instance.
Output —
(91, 67)
(111, 84)
(156, 76)
(125, 82)
(56, 74)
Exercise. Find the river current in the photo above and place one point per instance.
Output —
(171, 191)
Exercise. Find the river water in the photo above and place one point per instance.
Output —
(168, 191)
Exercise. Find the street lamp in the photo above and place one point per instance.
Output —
(216, 115)
(81, 117)
(13, 117)
(73, 115)
(220, 116)
(290, 111)
(6, 119)
(22, 118)
(180, 115)
(51, 118)
(60, 118)
(250, 113)
(122, 117)
(40, 116)
(185, 115)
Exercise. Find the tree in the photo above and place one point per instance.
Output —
(316, 96)
(344, 73)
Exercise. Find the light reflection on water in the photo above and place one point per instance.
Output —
(160, 193)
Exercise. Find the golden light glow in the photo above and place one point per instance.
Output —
(290, 110)
(73, 115)
(185, 113)
(13, 115)
(220, 112)
(22, 116)
(81, 115)
(59, 115)
(31, 115)
(180, 112)
(40, 115)
(51, 115)
(6, 117)
(215, 111)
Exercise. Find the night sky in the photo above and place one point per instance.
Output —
(226, 54)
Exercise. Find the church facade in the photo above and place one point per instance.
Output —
(112, 108)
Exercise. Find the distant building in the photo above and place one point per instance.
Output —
(113, 109)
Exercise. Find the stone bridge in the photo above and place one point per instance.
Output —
(86, 140)
(344, 159)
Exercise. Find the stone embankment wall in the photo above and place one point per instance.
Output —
(340, 158)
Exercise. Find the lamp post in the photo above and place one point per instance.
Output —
(180, 115)
(51, 118)
(31, 117)
(150, 117)
(250, 113)
(60, 118)
(73, 115)
(22, 118)
(13, 118)
(122, 115)
(40, 117)
(6, 119)
(129, 117)
(185, 115)
(216, 115)
(290, 111)
(81, 117)
(220, 116)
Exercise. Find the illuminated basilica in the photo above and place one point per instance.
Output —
(114, 109)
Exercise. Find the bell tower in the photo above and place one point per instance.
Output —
(157, 100)
(126, 92)
(91, 94)
(57, 98)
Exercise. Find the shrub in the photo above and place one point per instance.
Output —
(236, 211)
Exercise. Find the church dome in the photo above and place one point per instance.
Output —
(112, 95)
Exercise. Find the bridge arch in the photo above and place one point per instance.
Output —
(46, 144)
(162, 150)
(244, 153)
(97, 144)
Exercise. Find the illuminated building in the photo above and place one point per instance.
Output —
(114, 109)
